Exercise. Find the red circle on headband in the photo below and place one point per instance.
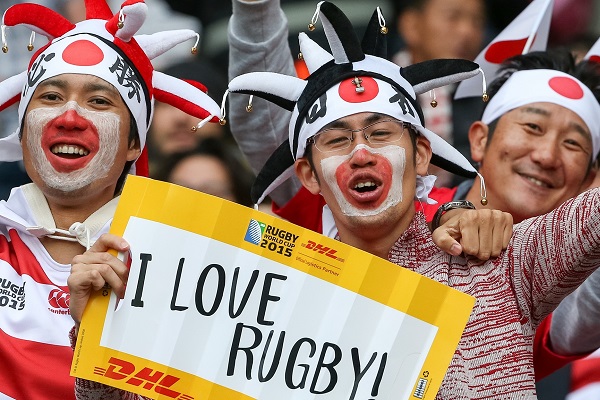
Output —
(566, 87)
(358, 89)
(83, 53)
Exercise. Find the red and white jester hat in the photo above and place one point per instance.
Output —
(355, 77)
(103, 45)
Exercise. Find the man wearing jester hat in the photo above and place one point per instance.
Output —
(551, 121)
(86, 100)
(356, 138)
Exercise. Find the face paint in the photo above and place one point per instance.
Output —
(105, 123)
(394, 155)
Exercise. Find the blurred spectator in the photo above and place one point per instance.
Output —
(213, 167)
(442, 29)
(171, 130)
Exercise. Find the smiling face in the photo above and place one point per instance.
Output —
(537, 158)
(75, 137)
(370, 190)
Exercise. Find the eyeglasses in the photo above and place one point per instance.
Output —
(377, 134)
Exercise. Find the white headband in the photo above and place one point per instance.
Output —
(87, 54)
(377, 96)
(342, 100)
(550, 86)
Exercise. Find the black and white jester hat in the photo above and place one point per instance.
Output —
(102, 45)
(354, 78)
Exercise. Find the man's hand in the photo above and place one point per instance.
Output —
(93, 269)
(479, 233)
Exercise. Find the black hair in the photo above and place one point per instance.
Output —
(559, 59)
(239, 173)
(401, 6)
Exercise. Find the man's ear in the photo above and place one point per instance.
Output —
(134, 151)
(592, 179)
(478, 135)
(422, 155)
(306, 175)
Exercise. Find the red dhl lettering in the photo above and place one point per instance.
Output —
(146, 377)
(319, 248)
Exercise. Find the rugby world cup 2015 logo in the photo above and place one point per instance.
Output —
(255, 232)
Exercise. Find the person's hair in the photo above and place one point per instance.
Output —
(559, 59)
(239, 173)
(402, 6)
(133, 139)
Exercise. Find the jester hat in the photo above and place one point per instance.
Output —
(355, 77)
(103, 45)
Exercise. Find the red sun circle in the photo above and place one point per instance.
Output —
(83, 53)
(347, 90)
(566, 87)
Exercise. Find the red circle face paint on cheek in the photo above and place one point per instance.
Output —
(83, 53)
(566, 87)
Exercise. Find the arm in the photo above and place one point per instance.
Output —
(551, 255)
(575, 325)
(571, 332)
(90, 272)
(258, 41)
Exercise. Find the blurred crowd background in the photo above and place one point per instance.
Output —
(208, 159)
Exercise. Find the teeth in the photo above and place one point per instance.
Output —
(537, 182)
(365, 184)
(69, 149)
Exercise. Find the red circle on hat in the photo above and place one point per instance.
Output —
(83, 53)
(358, 89)
(594, 58)
(566, 87)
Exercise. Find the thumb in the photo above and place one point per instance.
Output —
(445, 239)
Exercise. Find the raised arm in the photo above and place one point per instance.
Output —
(258, 41)
(551, 255)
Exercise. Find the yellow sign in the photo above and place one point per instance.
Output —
(226, 302)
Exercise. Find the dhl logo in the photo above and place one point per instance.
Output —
(319, 248)
(147, 378)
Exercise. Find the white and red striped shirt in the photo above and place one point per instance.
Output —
(35, 353)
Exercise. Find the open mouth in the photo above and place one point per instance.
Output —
(365, 187)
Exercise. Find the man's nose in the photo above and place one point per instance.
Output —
(70, 120)
(362, 156)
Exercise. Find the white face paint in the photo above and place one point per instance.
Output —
(396, 155)
(107, 125)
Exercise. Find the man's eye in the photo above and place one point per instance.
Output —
(533, 126)
(51, 96)
(336, 139)
(380, 134)
(100, 101)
